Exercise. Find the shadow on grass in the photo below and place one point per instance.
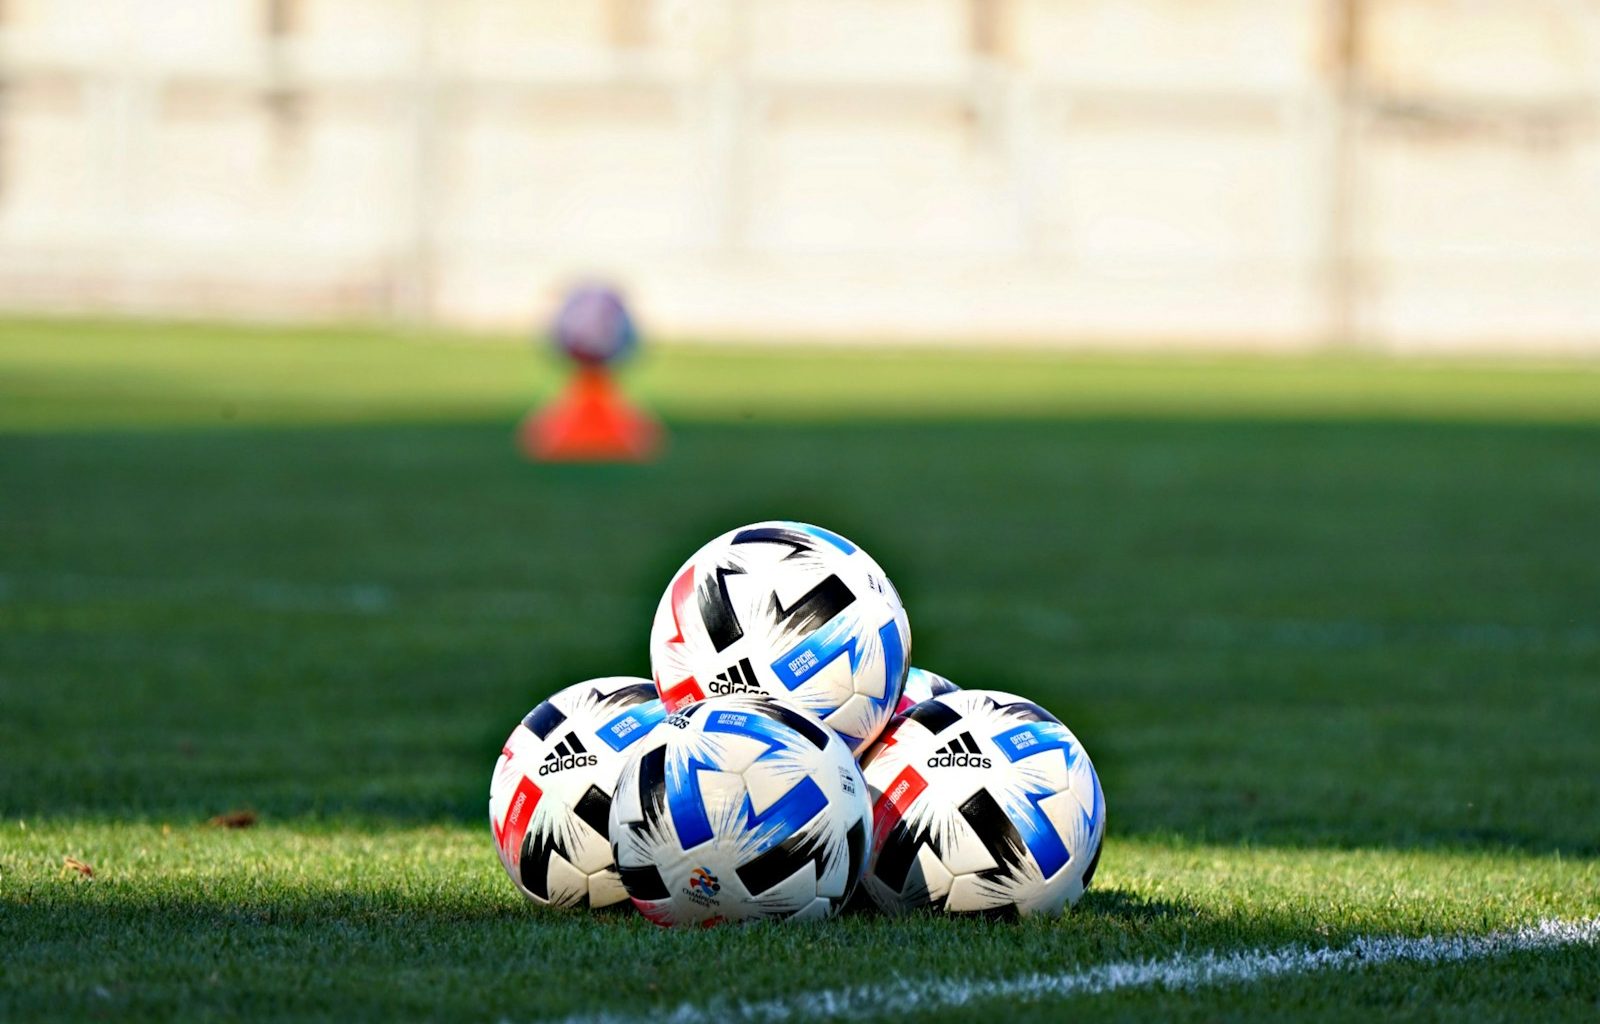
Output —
(163, 947)
(1131, 907)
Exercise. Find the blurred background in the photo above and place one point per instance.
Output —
(1396, 175)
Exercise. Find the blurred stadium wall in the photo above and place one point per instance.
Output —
(1409, 175)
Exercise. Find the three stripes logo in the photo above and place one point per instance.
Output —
(740, 678)
(569, 753)
(961, 752)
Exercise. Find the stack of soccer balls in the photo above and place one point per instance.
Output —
(785, 752)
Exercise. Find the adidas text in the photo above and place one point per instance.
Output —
(561, 764)
(945, 759)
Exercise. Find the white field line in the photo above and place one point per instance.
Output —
(271, 595)
(371, 598)
(1182, 971)
(264, 594)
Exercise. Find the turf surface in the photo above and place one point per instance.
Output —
(1330, 629)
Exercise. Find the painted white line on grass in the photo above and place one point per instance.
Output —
(1181, 971)
(377, 599)
(286, 596)
(266, 594)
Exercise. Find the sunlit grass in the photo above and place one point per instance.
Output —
(56, 374)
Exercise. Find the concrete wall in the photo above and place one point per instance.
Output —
(1415, 175)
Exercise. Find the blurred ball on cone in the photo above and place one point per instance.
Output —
(593, 325)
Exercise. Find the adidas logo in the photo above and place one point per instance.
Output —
(741, 678)
(569, 753)
(961, 752)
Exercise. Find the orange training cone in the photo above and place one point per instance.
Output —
(590, 422)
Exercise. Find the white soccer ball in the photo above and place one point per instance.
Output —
(550, 798)
(790, 610)
(740, 808)
(982, 802)
(922, 685)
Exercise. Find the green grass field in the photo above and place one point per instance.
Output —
(1330, 629)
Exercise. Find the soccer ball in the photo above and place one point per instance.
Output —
(550, 796)
(790, 610)
(593, 325)
(922, 685)
(982, 802)
(740, 808)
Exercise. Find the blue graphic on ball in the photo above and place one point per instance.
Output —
(787, 815)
